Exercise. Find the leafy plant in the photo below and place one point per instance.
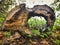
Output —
(55, 41)
(35, 25)
(56, 24)
(7, 34)
(33, 22)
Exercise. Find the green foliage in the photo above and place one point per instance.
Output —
(56, 5)
(55, 41)
(48, 28)
(35, 25)
(35, 32)
(4, 6)
(56, 24)
(43, 35)
(2, 18)
(33, 22)
(7, 34)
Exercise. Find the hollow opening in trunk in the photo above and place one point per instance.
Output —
(37, 22)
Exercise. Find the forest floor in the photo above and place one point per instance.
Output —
(16, 39)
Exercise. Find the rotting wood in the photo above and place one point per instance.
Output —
(17, 19)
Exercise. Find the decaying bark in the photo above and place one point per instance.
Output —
(17, 18)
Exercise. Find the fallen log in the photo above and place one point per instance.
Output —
(17, 18)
